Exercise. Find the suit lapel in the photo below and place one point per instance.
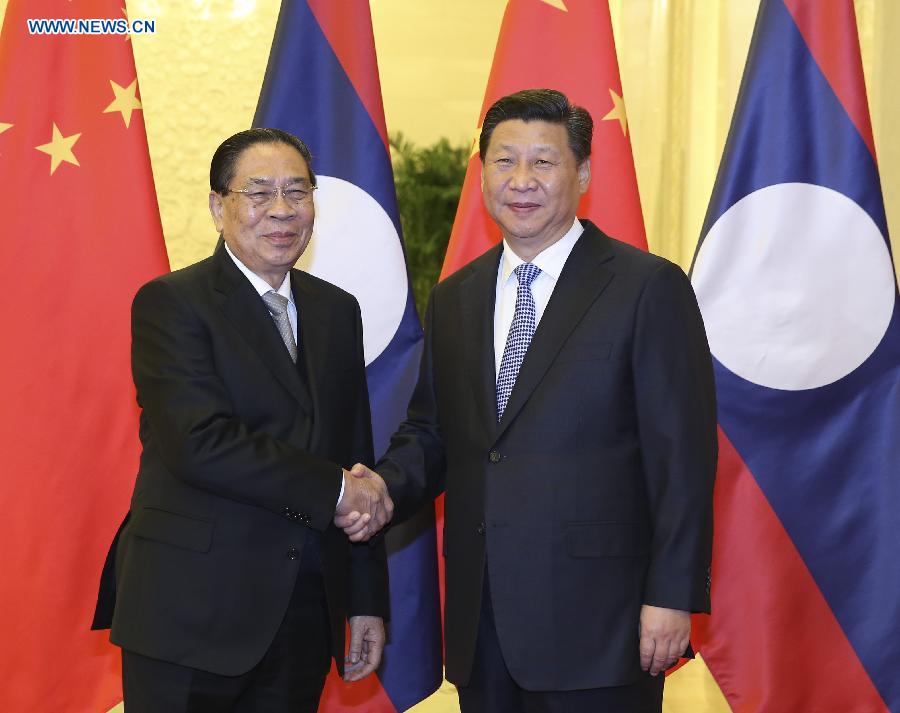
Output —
(583, 278)
(313, 335)
(243, 307)
(478, 295)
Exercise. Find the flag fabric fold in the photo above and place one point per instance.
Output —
(322, 85)
(795, 280)
(81, 234)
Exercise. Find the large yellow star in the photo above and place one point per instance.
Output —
(126, 101)
(558, 4)
(617, 112)
(60, 149)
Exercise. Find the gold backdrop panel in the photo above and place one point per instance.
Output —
(200, 76)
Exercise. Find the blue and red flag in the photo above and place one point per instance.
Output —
(798, 292)
(322, 85)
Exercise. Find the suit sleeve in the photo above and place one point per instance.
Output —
(414, 465)
(676, 412)
(193, 426)
(368, 579)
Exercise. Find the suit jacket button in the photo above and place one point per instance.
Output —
(494, 456)
(480, 529)
(286, 512)
(293, 553)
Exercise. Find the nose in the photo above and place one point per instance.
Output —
(281, 207)
(522, 177)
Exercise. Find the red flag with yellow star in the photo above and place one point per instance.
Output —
(566, 45)
(81, 232)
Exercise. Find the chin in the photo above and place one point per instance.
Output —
(520, 232)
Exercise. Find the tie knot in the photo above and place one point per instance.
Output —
(526, 272)
(276, 303)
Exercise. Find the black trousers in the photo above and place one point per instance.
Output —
(289, 678)
(491, 689)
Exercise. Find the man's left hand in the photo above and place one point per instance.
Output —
(366, 645)
(665, 634)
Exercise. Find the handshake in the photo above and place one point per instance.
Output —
(365, 506)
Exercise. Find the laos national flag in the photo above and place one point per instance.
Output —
(322, 85)
(798, 293)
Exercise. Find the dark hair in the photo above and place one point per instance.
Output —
(541, 105)
(221, 168)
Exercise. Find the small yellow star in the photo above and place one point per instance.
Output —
(4, 127)
(558, 4)
(126, 101)
(127, 36)
(60, 149)
(617, 112)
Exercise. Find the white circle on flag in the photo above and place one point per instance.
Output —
(356, 247)
(796, 286)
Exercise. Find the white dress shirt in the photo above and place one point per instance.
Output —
(551, 261)
(261, 286)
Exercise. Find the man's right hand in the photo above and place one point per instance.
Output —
(365, 507)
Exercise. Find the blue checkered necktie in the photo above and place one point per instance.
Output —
(520, 333)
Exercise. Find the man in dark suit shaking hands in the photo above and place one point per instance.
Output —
(231, 582)
(566, 405)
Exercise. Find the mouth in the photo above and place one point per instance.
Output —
(523, 207)
(280, 237)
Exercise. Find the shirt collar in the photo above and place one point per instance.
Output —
(550, 260)
(259, 284)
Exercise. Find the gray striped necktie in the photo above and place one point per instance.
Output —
(278, 308)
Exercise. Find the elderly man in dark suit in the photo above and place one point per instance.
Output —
(231, 582)
(566, 405)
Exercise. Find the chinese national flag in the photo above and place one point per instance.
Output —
(81, 232)
(566, 45)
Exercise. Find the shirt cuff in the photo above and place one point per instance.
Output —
(341, 494)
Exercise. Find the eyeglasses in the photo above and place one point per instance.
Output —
(262, 197)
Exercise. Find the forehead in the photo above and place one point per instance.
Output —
(272, 160)
(519, 135)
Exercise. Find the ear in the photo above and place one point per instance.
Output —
(584, 175)
(216, 210)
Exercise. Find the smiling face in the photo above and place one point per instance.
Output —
(531, 183)
(269, 239)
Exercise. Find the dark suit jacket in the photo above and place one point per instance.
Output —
(240, 469)
(593, 495)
